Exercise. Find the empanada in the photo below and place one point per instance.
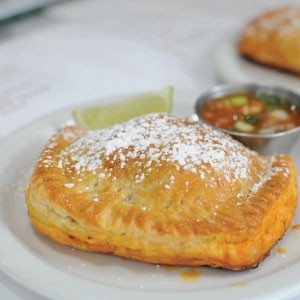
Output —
(162, 189)
(273, 39)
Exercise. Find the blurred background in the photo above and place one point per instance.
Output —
(54, 54)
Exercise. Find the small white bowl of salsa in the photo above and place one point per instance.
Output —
(265, 119)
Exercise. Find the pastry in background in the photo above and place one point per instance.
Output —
(273, 39)
(164, 190)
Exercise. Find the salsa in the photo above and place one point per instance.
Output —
(251, 113)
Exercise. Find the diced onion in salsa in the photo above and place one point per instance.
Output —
(250, 113)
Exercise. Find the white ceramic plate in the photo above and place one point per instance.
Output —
(50, 270)
(231, 67)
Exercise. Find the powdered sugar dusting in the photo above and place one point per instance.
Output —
(268, 175)
(158, 138)
(69, 185)
(286, 21)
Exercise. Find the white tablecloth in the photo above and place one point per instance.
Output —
(81, 50)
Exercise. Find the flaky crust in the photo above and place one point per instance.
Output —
(163, 190)
(273, 39)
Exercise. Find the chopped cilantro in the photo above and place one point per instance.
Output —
(251, 118)
(273, 102)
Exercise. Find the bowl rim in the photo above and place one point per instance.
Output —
(221, 90)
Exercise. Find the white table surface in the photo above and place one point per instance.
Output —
(81, 50)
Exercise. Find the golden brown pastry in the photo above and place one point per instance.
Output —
(273, 39)
(162, 189)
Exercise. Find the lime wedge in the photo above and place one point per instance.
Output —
(101, 116)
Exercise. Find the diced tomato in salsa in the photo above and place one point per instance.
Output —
(250, 113)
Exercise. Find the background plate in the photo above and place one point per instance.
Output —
(231, 67)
